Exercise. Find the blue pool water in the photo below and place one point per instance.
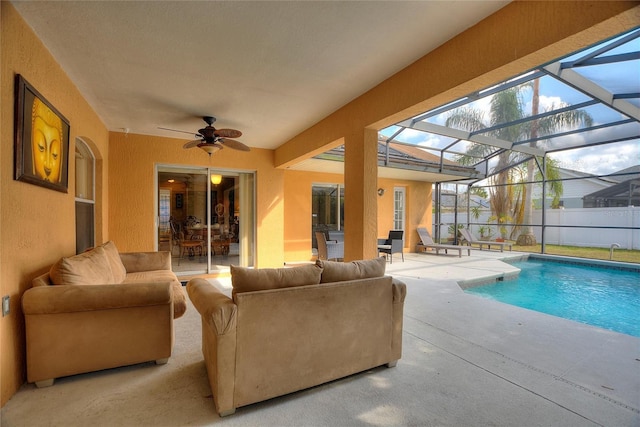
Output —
(604, 297)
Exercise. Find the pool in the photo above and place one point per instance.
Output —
(605, 297)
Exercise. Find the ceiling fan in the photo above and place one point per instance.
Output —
(211, 139)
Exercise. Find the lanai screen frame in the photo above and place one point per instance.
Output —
(588, 73)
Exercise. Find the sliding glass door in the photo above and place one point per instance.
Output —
(205, 218)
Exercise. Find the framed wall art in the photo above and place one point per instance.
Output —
(41, 137)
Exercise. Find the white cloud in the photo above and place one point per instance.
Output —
(600, 159)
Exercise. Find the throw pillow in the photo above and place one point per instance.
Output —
(333, 271)
(117, 267)
(245, 279)
(88, 268)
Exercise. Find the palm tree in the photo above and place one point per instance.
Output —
(507, 202)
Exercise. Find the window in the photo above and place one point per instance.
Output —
(85, 197)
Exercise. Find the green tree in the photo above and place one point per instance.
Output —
(508, 201)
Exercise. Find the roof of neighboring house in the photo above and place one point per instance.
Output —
(629, 189)
(626, 174)
(415, 152)
(578, 174)
(407, 156)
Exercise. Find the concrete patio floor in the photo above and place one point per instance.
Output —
(592, 372)
(467, 361)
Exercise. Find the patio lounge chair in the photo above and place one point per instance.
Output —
(471, 239)
(427, 242)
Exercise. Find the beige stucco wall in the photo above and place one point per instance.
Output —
(37, 225)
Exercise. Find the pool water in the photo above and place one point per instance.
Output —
(604, 297)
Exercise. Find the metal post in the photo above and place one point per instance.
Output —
(455, 218)
(544, 203)
(436, 233)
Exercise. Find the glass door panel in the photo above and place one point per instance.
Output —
(399, 209)
(327, 209)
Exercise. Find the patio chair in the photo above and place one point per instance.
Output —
(471, 239)
(427, 242)
(338, 236)
(392, 244)
(329, 249)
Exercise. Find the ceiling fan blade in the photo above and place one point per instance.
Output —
(236, 145)
(192, 144)
(227, 133)
(175, 130)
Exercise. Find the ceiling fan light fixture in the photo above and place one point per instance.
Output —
(216, 179)
(210, 148)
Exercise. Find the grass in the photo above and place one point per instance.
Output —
(623, 255)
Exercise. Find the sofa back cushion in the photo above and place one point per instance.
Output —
(89, 268)
(333, 271)
(117, 267)
(248, 279)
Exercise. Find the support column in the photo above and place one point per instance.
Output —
(360, 202)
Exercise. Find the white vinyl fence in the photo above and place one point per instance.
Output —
(572, 218)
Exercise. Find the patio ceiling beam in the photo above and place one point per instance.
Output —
(573, 78)
(480, 139)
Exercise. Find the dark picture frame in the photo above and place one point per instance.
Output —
(41, 139)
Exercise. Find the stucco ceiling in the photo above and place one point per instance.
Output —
(269, 69)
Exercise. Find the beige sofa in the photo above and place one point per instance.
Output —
(288, 329)
(98, 310)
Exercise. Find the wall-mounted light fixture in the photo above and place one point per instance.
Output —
(216, 179)
(380, 191)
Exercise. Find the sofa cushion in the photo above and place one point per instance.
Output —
(333, 271)
(117, 267)
(89, 268)
(245, 279)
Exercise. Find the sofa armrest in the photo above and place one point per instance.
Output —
(217, 310)
(146, 261)
(76, 298)
(219, 337)
(399, 293)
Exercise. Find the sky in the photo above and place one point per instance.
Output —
(620, 77)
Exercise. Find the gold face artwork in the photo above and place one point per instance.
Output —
(46, 142)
